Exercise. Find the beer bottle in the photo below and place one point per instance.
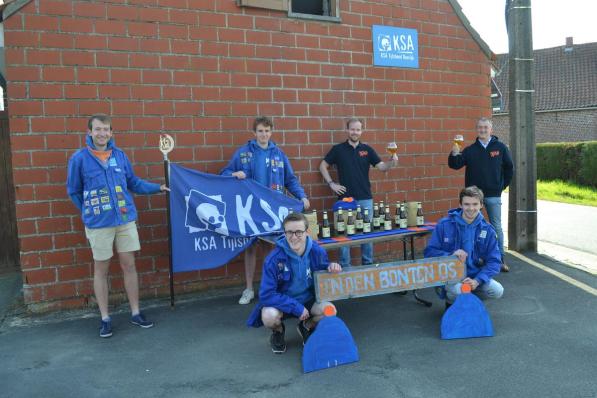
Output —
(387, 223)
(403, 216)
(325, 228)
(420, 218)
(382, 213)
(397, 216)
(340, 226)
(350, 224)
(375, 217)
(366, 222)
(359, 220)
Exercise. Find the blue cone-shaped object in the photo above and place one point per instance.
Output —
(466, 318)
(330, 345)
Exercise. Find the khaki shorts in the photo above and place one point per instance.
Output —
(102, 240)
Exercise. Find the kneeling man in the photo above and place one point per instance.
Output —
(287, 283)
(465, 234)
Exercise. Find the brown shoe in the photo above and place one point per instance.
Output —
(504, 268)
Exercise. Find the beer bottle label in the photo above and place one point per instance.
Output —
(359, 224)
(420, 220)
(387, 225)
(403, 223)
(350, 229)
(340, 227)
(366, 227)
(397, 220)
(376, 222)
(325, 232)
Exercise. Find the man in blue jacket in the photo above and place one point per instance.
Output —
(488, 166)
(465, 234)
(99, 179)
(287, 283)
(263, 161)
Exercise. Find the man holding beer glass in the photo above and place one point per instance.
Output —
(353, 160)
(488, 166)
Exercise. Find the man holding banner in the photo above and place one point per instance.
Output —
(98, 182)
(263, 161)
(465, 233)
(287, 283)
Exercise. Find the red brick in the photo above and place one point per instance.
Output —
(47, 192)
(40, 276)
(58, 73)
(185, 47)
(80, 91)
(60, 290)
(175, 62)
(46, 125)
(154, 14)
(123, 44)
(27, 142)
(154, 45)
(93, 75)
(125, 76)
(111, 59)
(43, 57)
(62, 241)
(144, 61)
(143, 29)
(77, 58)
(158, 108)
(74, 273)
(182, 17)
(127, 108)
(22, 39)
(34, 243)
(41, 23)
(177, 92)
(41, 90)
(25, 108)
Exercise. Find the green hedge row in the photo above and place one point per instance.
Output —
(569, 161)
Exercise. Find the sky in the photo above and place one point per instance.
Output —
(553, 21)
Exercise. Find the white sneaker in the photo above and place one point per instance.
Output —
(247, 296)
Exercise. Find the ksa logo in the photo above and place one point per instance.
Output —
(205, 213)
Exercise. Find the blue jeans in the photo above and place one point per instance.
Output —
(490, 290)
(367, 248)
(493, 207)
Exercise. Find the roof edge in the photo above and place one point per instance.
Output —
(467, 25)
(10, 8)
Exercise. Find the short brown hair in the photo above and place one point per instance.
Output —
(102, 117)
(353, 120)
(471, 192)
(485, 119)
(263, 120)
(295, 217)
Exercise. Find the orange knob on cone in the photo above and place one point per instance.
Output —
(465, 288)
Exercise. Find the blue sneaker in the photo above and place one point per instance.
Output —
(106, 328)
(140, 320)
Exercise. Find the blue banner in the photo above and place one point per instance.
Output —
(214, 218)
(394, 46)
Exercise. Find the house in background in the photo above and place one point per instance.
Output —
(565, 94)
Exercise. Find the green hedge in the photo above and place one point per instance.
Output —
(569, 161)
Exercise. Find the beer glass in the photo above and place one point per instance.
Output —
(458, 140)
(392, 148)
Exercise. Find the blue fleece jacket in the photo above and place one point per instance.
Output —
(279, 275)
(491, 169)
(101, 190)
(279, 171)
(484, 258)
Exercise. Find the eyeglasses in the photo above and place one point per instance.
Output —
(298, 234)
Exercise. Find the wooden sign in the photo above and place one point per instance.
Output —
(371, 280)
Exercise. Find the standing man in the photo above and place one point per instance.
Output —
(488, 166)
(261, 160)
(465, 234)
(287, 289)
(353, 160)
(99, 179)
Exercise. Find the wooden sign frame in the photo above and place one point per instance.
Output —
(384, 278)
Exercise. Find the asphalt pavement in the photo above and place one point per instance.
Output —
(545, 345)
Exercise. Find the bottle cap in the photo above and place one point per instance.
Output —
(329, 310)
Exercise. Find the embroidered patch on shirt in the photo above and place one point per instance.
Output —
(112, 162)
(493, 154)
(118, 188)
(483, 234)
(107, 207)
(105, 199)
(96, 210)
(94, 201)
(93, 193)
(363, 153)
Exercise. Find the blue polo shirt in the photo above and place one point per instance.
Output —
(353, 168)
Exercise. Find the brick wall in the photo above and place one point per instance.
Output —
(200, 70)
(564, 126)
